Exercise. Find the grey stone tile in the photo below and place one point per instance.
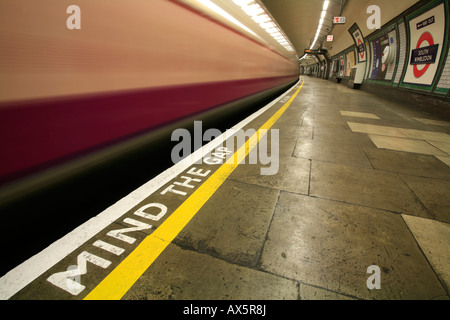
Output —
(434, 239)
(408, 163)
(313, 293)
(434, 122)
(343, 135)
(329, 244)
(364, 115)
(434, 194)
(294, 132)
(406, 145)
(285, 146)
(341, 152)
(372, 188)
(293, 175)
(186, 275)
(329, 124)
(443, 146)
(445, 160)
(233, 224)
(292, 116)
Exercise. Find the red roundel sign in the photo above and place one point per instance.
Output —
(361, 54)
(425, 37)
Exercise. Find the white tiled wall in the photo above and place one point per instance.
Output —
(444, 82)
(402, 56)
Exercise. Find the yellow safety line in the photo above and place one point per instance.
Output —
(120, 280)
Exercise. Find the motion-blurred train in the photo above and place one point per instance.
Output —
(80, 78)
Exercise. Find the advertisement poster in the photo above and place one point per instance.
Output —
(384, 56)
(335, 66)
(350, 63)
(376, 59)
(427, 32)
(389, 55)
(359, 42)
(342, 66)
(369, 60)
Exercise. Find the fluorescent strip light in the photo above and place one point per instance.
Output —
(261, 18)
(268, 25)
(253, 10)
(225, 14)
(242, 2)
(322, 19)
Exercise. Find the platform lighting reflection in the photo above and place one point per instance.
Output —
(258, 14)
(226, 15)
(322, 17)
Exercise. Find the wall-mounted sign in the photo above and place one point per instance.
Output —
(359, 42)
(330, 38)
(339, 20)
(427, 36)
(310, 51)
(426, 55)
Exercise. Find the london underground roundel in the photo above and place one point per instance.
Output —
(426, 37)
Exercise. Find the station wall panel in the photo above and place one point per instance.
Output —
(409, 53)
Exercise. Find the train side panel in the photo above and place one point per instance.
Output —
(132, 67)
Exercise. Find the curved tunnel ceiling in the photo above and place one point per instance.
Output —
(300, 18)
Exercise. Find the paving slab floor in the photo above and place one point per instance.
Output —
(362, 182)
(356, 206)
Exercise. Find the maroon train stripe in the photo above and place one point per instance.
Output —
(38, 134)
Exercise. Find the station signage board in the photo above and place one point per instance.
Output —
(309, 51)
(427, 38)
(339, 20)
(359, 42)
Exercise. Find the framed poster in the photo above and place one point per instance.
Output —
(369, 60)
(426, 44)
(335, 66)
(341, 66)
(358, 38)
(384, 53)
(376, 59)
(389, 58)
(350, 63)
